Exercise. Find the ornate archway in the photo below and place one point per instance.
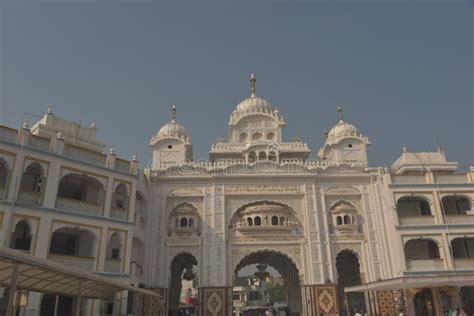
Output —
(183, 267)
(287, 276)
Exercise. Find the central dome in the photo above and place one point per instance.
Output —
(342, 129)
(173, 129)
(254, 104)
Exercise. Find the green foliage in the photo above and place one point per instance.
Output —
(276, 293)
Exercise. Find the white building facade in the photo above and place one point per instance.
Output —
(323, 223)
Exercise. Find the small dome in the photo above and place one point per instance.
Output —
(173, 129)
(343, 129)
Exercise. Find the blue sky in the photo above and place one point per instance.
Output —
(401, 70)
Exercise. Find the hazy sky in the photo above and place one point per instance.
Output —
(402, 71)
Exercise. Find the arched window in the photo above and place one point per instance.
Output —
(73, 242)
(256, 136)
(184, 222)
(262, 156)
(249, 221)
(270, 136)
(421, 249)
(252, 157)
(347, 219)
(282, 220)
(120, 197)
(258, 221)
(272, 156)
(455, 205)
(339, 220)
(243, 137)
(82, 188)
(114, 247)
(463, 247)
(32, 179)
(191, 222)
(274, 220)
(21, 237)
(413, 206)
(3, 173)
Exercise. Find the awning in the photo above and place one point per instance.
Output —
(408, 282)
(44, 276)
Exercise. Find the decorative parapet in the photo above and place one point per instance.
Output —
(78, 206)
(119, 213)
(416, 220)
(464, 263)
(83, 263)
(113, 265)
(30, 198)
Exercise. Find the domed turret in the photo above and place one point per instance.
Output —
(171, 145)
(345, 144)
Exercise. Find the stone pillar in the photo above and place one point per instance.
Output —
(215, 301)
(319, 298)
(154, 306)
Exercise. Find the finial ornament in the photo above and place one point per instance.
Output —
(173, 113)
(339, 113)
(253, 85)
(440, 148)
(405, 149)
(50, 109)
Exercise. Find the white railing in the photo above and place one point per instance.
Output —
(113, 265)
(83, 263)
(464, 263)
(425, 264)
(39, 143)
(78, 206)
(119, 213)
(8, 134)
(409, 179)
(32, 198)
(460, 219)
(122, 165)
(416, 220)
(451, 178)
(89, 156)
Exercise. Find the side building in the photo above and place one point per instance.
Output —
(63, 199)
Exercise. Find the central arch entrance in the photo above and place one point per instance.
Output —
(266, 280)
(183, 285)
(348, 272)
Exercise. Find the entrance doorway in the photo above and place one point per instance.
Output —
(348, 274)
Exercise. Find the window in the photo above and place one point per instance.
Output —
(257, 136)
(243, 137)
(350, 145)
(249, 221)
(184, 222)
(339, 220)
(262, 156)
(270, 136)
(274, 220)
(258, 221)
(455, 205)
(413, 206)
(170, 146)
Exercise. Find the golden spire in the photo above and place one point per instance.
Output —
(339, 113)
(253, 85)
(173, 113)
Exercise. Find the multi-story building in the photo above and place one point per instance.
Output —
(62, 199)
(324, 222)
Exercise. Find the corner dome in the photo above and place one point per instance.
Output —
(343, 129)
(172, 129)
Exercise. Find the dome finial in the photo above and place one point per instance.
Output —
(173, 113)
(253, 85)
(339, 113)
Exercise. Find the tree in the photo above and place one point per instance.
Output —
(276, 293)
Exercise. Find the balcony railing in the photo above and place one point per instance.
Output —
(460, 219)
(83, 263)
(464, 263)
(113, 265)
(416, 220)
(30, 198)
(136, 270)
(78, 206)
(425, 264)
(3, 192)
(119, 213)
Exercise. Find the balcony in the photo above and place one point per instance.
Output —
(119, 213)
(30, 198)
(83, 263)
(464, 263)
(460, 219)
(113, 265)
(425, 265)
(416, 220)
(79, 206)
